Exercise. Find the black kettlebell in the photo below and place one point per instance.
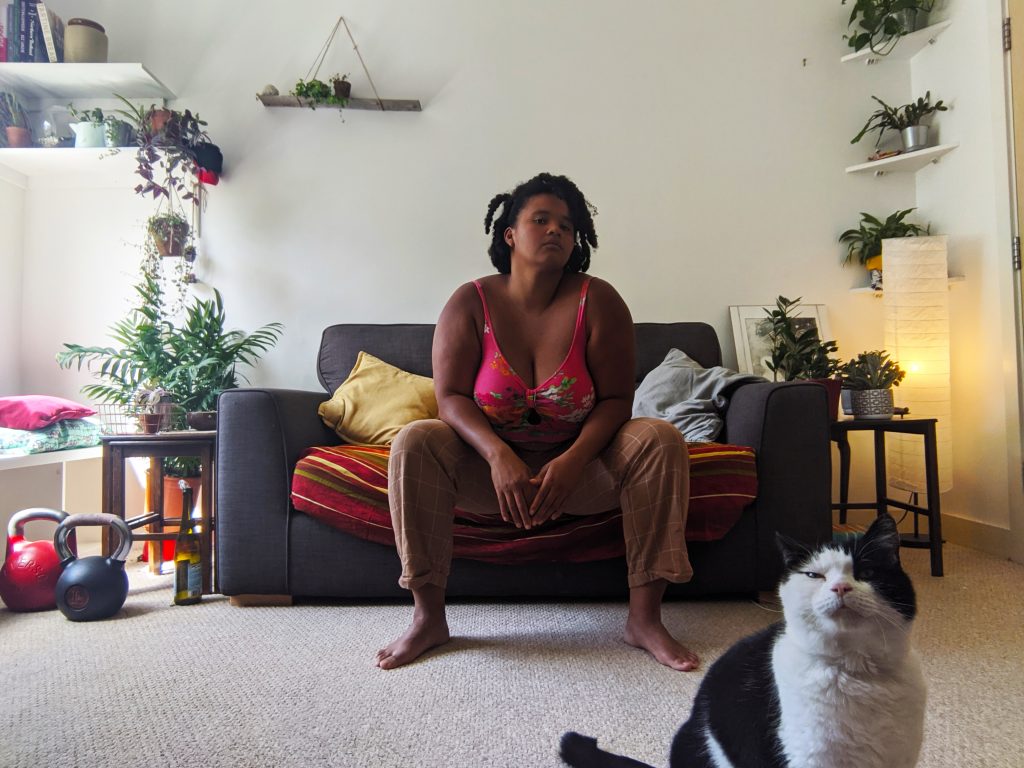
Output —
(91, 588)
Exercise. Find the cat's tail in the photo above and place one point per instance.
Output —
(582, 752)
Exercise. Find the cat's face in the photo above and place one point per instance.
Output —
(851, 588)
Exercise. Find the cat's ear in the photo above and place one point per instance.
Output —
(793, 552)
(882, 539)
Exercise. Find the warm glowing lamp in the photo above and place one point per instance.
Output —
(916, 301)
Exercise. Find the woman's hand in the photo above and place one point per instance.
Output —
(512, 484)
(554, 483)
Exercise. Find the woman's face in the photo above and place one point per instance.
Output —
(543, 233)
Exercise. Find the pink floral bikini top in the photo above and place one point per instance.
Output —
(551, 412)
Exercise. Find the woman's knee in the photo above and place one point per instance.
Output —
(653, 433)
(424, 434)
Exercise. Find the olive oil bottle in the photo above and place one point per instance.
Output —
(188, 570)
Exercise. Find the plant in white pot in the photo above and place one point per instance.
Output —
(879, 24)
(870, 377)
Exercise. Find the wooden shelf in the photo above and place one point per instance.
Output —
(36, 83)
(909, 162)
(384, 105)
(907, 47)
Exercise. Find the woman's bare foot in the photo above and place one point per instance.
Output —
(645, 630)
(429, 629)
(420, 637)
(656, 640)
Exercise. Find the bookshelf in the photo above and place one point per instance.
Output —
(40, 84)
(36, 84)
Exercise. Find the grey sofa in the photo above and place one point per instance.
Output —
(265, 547)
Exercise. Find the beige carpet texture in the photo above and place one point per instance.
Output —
(214, 685)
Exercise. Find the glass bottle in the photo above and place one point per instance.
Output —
(188, 570)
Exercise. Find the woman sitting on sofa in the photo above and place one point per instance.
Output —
(533, 369)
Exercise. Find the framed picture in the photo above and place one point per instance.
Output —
(750, 326)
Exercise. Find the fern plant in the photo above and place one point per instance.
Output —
(192, 362)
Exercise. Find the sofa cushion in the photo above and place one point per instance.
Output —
(376, 400)
(346, 487)
(38, 411)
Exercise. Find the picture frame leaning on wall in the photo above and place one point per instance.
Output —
(750, 327)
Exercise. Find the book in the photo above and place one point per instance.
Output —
(47, 22)
(23, 29)
(3, 31)
(31, 24)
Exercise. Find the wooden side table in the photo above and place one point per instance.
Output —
(117, 448)
(840, 432)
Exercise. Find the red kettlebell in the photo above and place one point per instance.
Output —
(32, 568)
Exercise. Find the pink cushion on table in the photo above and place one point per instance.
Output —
(38, 411)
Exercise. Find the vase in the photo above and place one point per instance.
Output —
(89, 134)
(873, 404)
(18, 138)
(914, 138)
(85, 42)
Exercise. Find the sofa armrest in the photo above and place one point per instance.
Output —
(787, 425)
(260, 435)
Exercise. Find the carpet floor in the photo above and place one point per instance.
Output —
(214, 685)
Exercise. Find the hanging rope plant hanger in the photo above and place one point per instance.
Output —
(270, 97)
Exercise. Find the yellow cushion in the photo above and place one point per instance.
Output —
(376, 401)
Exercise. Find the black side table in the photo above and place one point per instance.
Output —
(117, 448)
(840, 432)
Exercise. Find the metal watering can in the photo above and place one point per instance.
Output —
(94, 587)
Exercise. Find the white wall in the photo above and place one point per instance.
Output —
(712, 138)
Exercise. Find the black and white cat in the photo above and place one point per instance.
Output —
(835, 685)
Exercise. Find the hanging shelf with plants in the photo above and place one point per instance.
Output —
(312, 93)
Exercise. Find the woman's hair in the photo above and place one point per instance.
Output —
(580, 211)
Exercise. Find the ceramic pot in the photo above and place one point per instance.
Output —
(89, 134)
(873, 404)
(118, 134)
(18, 138)
(342, 89)
(202, 420)
(85, 42)
(169, 240)
(832, 387)
(914, 138)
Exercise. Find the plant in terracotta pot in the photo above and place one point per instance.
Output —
(904, 120)
(879, 24)
(871, 376)
(797, 352)
(865, 242)
(342, 87)
(170, 233)
(14, 121)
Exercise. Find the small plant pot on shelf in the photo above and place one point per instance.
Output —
(873, 404)
(202, 420)
(18, 138)
(914, 137)
(342, 88)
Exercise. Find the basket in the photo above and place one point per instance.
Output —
(126, 419)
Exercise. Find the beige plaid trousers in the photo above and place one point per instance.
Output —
(644, 470)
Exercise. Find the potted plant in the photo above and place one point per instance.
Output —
(89, 126)
(865, 242)
(905, 120)
(117, 133)
(881, 23)
(870, 378)
(14, 121)
(166, 142)
(798, 353)
(193, 362)
(342, 87)
(169, 233)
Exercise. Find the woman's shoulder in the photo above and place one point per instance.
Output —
(604, 302)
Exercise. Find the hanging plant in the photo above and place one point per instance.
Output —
(170, 233)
